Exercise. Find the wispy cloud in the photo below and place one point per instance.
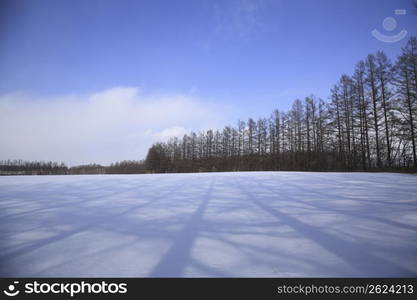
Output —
(115, 124)
(239, 17)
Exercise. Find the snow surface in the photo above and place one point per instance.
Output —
(249, 224)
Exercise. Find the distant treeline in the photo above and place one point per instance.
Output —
(369, 123)
(21, 167)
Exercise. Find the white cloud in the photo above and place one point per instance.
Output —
(116, 124)
(175, 131)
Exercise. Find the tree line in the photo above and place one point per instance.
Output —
(368, 123)
(22, 167)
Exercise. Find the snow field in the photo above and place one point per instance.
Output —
(247, 224)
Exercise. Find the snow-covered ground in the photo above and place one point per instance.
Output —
(258, 224)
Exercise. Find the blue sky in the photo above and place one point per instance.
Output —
(241, 58)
